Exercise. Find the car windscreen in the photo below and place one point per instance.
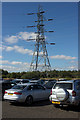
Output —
(21, 87)
(63, 85)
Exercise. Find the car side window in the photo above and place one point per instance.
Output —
(40, 87)
(30, 87)
(33, 87)
(78, 86)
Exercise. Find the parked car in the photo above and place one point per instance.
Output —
(62, 79)
(16, 81)
(65, 93)
(27, 93)
(4, 85)
(49, 84)
(24, 81)
(41, 82)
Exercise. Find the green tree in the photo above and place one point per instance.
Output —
(4, 73)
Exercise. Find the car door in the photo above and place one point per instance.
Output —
(38, 92)
(78, 89)
(44, 92)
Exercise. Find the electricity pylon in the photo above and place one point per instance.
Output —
(40, 59)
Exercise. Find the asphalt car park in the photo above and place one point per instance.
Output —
(40, 109)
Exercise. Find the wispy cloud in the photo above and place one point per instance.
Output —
(0, 57)
(20, 36)
(74, 62)
(22, 50)
(14, 66)
(18, 49)
(15, 69)
(73, 67)
(13, 62)
(9, 48)
(62, 57)
(26, 35)
(11, 39)
(16, 63)
(4, 62)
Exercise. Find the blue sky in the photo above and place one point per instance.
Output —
(17, 52)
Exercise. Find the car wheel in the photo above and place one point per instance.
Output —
(29, 100)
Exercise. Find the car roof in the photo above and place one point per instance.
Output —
(34, 80)
(68, 81)
(21, 79)
(27, 84)
(17, 79)
(25, 79)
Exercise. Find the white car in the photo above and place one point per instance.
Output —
(27, 93)
(65, 93)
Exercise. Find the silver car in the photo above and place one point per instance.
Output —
(65, 93)
(40, 82)
(27, 93)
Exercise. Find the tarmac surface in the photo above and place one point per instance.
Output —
(41, 109)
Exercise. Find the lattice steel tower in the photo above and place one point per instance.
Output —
(40, 60)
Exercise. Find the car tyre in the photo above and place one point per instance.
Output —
(29, 100)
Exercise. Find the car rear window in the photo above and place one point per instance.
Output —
(21, 87)
(63, 85)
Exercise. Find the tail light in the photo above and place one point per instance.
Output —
(51, 92)
(5, 92)
(73, 93)
(17, 93)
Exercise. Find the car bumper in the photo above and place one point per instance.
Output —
(71, 101)
(13, 98)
